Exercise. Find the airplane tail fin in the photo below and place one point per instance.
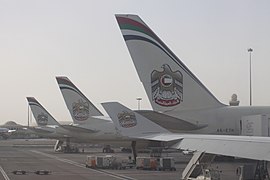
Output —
(130, 123)
(42, 116)
(79, 106)
(169, 84)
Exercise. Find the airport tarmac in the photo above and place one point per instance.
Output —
(34, 155)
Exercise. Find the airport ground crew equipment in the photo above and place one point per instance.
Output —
(166, 163)
(107, 162)
(146, 163)
(107, 149)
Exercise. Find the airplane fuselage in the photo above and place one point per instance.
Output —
(222, 120)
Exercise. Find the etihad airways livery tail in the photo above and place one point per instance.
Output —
(42, 116)
(173, 89)
(47, 125)
(169, 84)
(80, 107)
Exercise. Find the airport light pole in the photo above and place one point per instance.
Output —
(139, 102)
(250, 87)
(28, 114)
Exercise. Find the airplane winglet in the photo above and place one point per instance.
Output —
(130, 123)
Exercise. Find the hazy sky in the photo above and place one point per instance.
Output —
(41, 39)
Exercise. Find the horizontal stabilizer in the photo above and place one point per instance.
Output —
(42, 130)
(78, 129)
(171, 123)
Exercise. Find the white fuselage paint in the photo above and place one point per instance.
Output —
(222, 120)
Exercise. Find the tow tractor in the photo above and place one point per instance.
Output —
(107, 149)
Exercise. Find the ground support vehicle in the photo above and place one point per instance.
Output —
(107, 162)
(166, 163)
(146, 163)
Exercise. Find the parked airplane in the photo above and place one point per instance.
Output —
(135, 126)
(179, 99)
(85, 115)
(50, 128)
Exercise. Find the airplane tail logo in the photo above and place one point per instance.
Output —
(127, 119)
(42, 119)
(80, 110)
(167, 86)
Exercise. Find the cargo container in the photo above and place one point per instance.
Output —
(166, 163)
(107, 162)
(91, 162)
(146, 163)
